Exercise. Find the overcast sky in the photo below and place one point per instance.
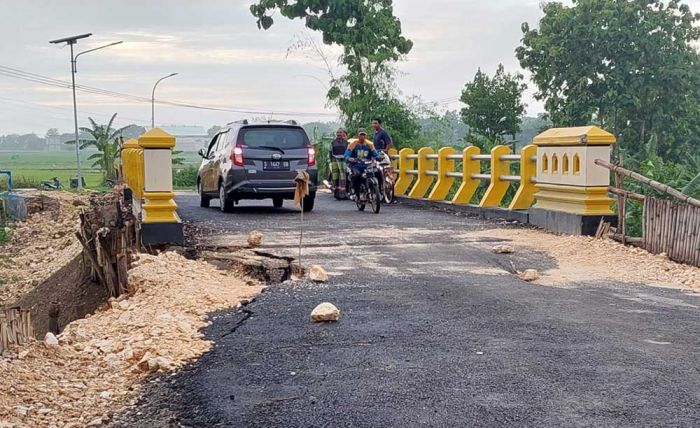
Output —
(224, 60)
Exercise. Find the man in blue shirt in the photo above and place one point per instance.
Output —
(357, 153)
(382, 139)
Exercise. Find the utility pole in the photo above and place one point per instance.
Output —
(74, 69)
(153, 99)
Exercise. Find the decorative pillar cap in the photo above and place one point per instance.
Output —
(576, 136)
(156, 138)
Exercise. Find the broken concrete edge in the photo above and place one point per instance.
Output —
(265, 267)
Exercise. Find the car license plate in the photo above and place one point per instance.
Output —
(275, 165)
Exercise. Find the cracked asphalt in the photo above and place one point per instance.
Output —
(434, 331)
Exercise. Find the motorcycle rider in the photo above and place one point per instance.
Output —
(356, 154)
(337, 164)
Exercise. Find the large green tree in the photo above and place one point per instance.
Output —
(629, 65)
(370, 37)
(493, 105)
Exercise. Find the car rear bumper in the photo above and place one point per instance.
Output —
(262, 189)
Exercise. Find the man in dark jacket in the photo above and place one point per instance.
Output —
(381, 139)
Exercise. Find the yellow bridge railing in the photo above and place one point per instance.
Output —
(428, 174)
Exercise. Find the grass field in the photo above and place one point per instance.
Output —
(34, 167)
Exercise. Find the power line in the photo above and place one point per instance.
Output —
(45, 80)
(119, 119)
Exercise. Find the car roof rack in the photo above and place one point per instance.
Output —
(242, 122)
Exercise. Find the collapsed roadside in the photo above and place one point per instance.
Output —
(94, 368)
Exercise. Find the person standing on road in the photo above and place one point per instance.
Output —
(356, 154)
(337, 164)
(381, 139)
(382, 142)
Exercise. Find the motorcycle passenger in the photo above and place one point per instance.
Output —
(337, 165)
(356, 154)
(382, 141)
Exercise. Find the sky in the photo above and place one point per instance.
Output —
(225, 61)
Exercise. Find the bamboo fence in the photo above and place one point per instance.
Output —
(672, 228)
(15, 327)
(669, 226)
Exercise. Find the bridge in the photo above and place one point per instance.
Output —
(435, 328)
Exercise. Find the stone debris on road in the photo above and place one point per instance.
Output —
(325, 312)
(40, 244)
(97, 364)
(317, 274)
(529, 275)
(584, 258)
(255, 239)
(502, 249)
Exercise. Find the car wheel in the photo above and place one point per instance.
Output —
(277, 202)
(204, 200)
(309, 202)
(226, 204)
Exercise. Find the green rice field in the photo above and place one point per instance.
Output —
(31, 168)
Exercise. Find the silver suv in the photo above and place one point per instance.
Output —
(256, 161)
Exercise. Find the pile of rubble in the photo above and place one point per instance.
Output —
(41, 244)
(94, 368)
(582, 258)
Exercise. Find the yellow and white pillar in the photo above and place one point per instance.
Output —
(160, 223)
(572, 191)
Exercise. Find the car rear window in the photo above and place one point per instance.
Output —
(283, 137)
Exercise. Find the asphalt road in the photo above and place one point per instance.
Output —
(434, 331)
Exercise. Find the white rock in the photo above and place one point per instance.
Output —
(529, 275)
(255, 239)
(317, 274)
(124, 305)
(325, 312)
(105, 394)
(164, 363)
(22, 410)
(50, 340)
(95, 422)
(502, 249)
(184, 326)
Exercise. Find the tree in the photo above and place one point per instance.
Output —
(132, 132)
(494, 106)
(107, 142)
(629, 66)
(213, 131)
(371, 39)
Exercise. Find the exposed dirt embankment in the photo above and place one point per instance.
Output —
(40, 245)
(99, 361)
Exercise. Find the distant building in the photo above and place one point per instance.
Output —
(189, 138)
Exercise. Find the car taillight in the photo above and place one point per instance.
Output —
(312, 156)
(237, 156)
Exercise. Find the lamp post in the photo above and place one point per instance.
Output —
(153, 99)
(70, 41)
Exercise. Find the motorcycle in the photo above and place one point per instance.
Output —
(388, 177)
(369, 188)
(53, 184)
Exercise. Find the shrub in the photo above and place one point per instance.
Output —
(185, 178)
